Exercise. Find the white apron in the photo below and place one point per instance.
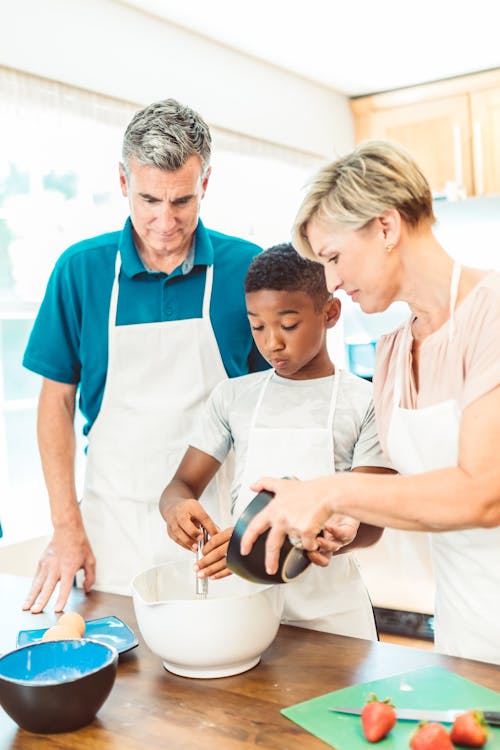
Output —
(158, 377)
(332, 599)
(466, 563)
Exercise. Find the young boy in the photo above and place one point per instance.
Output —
(303, 418)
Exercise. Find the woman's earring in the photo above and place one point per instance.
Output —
(389, 247)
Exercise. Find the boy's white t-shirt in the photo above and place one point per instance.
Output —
(228, 413)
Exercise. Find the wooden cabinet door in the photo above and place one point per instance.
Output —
(436, 132)
(485, 108)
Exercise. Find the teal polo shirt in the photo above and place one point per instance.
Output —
(69, 339)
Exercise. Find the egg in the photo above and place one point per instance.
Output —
(60, 633)
(73, 621)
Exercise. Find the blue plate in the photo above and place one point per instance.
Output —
(109, 630)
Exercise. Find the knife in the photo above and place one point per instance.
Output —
(447, 716)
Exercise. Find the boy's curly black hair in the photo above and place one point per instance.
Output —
(281, 268)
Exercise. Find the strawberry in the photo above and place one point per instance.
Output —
(377, 718)
(469, 729)
(430, 736)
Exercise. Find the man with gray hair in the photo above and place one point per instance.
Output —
(143, 322)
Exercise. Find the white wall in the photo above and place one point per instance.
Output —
(21, 559)
(110, 48)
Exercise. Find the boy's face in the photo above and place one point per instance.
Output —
(290, 332)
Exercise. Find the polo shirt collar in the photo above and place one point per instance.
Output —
(203, 248)
(202, 254)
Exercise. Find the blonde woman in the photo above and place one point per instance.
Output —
(368, 219)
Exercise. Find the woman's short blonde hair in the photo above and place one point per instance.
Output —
(355, 189)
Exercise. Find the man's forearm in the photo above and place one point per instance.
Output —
(56, 440)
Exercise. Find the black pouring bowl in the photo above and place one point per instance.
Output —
(292, 561)
(56, 686)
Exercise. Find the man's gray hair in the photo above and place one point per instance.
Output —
(164, 135)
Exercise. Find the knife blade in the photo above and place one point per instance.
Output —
(447, 716)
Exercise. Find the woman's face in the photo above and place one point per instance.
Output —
(357, 261)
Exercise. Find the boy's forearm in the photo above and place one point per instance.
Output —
(366, 536)
(193, 474)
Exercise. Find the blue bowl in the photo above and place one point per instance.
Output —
(56, 686)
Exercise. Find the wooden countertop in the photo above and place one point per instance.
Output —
(150, 708)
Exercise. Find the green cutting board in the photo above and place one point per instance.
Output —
(430, 687)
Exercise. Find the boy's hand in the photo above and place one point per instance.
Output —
(342, 529)
(184, 521)
(213, 563)
(338, 532)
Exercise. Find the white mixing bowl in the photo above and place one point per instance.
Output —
(222, 635)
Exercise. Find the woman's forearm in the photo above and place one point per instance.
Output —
(440, 500)
(460, 497)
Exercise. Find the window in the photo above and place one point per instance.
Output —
(59, 184)
(255, 188)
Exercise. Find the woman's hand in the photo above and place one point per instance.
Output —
(213, 563)
(184, 521)
(299, 509)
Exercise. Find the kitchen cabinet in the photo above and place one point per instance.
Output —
(436, 133)
(451, 127)
(485, 113)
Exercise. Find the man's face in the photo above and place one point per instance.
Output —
(164, 206)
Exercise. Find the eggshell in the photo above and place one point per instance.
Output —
(73, 621)
(60, 633)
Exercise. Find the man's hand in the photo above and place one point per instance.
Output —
(68, 552)
(184, 521)
(213, 563)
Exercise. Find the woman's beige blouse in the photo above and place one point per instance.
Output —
(462, 369)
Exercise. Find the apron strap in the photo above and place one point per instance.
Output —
(455, 281)
(260, 397)
(113, 302)
(209, 275)
(331, 413)
(333, 400)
